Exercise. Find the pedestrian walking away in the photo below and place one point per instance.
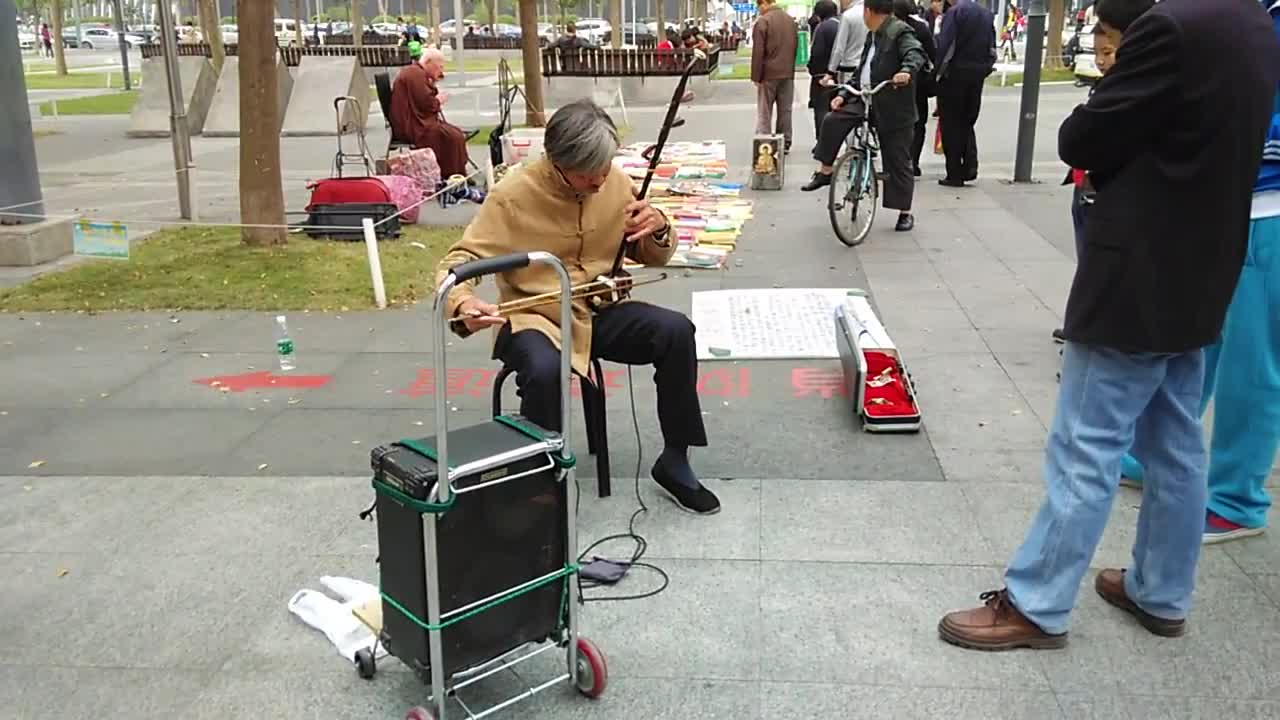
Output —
(1164, 244)
(966, 56)
(774, 39)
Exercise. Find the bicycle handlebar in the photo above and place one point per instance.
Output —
(863, 93)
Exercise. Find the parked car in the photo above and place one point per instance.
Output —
(26, 40)
(101, 37)
(69, 38)
(1085, 66)
(592, 29)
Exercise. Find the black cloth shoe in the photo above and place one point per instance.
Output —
(1058, 337)
(905, 222)
(948, 182)
(817, 181)
(916, 172)
(697, 500)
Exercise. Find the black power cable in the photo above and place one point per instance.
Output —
(641, 545)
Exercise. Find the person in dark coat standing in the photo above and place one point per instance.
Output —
(1173, 147)
(824, 38)
(905, 10)
(966, 56)
(890, 54)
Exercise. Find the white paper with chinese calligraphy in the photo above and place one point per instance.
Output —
(774, 323)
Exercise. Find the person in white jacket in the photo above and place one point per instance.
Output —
(846, 54)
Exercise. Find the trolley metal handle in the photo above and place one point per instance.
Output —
(470, 270)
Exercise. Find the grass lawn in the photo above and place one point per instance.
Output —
(1046, 75)
(74, 81)
(120, 103)
(483, 65)
(210, 269)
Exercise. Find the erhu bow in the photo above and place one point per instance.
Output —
(618, 282)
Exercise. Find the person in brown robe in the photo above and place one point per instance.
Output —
(415, 113)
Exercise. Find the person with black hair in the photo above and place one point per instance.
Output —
(907, 12)
(966, 56)
(1174, 147)
(824, 37)
(891, 53)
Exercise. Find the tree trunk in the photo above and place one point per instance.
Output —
(662, 22)
(297, 24)
(261, 189)
(357, 22)
(615, 19)
(55, 32)
(492, 7)
(535, 115)
(435, 23)
(1053, 44)
(211, 26)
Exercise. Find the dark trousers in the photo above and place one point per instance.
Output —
(922, 121)
(820, 101)
(959, 102)
(836, 126)
(1079, 213)
(899, 180)
(632, 333)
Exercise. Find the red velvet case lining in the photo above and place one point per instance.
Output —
(900, 404)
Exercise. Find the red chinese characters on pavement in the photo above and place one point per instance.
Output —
(809, 382)
(725, 382)
(476, 382)
(263, 379)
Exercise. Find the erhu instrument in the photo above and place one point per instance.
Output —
(586, 291)
(617, 284)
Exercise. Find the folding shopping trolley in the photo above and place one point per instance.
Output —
(477, 568)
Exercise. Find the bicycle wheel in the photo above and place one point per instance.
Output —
(854, 192)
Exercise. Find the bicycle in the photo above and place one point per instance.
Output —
(855, 171)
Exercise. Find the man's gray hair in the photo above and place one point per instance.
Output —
(581, 137)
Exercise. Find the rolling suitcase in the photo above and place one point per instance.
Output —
(338, 204)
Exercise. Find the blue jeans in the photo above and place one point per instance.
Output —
(1246, 424)
(1109, 401)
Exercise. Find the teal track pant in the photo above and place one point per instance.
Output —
(1242, 377)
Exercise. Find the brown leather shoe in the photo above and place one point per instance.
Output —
(1110, 587)
(997, 625)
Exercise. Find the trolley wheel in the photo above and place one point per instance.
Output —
(593, 673)
(419, 713)
(366, 663)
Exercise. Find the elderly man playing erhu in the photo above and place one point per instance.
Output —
(576, 204)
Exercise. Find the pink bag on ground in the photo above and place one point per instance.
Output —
(419, 164)
(406, 194)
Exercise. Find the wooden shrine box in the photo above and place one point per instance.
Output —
(768, 162)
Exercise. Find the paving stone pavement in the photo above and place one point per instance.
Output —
(815, 593)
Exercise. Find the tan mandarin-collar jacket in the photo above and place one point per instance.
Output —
(533, 208)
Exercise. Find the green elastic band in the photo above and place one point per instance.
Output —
(564, 572)
(565, 461)
(413, 503)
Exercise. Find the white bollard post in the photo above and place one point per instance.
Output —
(375, 263)
(193, 192)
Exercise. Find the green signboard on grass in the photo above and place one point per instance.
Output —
(100, 239)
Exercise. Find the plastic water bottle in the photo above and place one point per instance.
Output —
(284, 345)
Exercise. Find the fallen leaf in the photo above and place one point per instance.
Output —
(982, 423)
(294, 401)
(36, 464)
(263, 466)
(419, 423)
(79, 349)
(418, 245)
(27, 488)
(4, 412)
(63, 572)
(355, 442)
(1017, 412)
(105, 395)
(204, 355)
